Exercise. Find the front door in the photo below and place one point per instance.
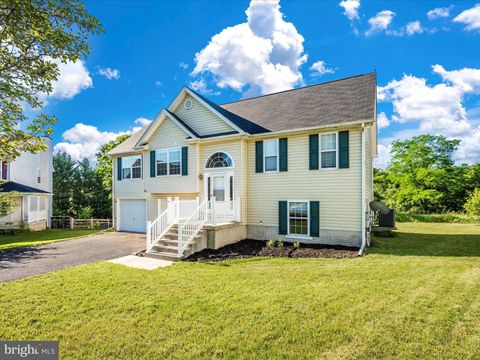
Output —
(220, 187)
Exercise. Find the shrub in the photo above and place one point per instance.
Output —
(450, 217)
(280, 244)
(296, 244)
(472, 206)
(22, 226)
(270, 243)
(85, 213)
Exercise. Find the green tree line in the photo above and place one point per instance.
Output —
(422, 178)
(82, 190)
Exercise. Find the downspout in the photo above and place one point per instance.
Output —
(364, 240)
(114, 213)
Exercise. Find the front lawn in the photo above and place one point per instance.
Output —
(414, 296)
(33, 238)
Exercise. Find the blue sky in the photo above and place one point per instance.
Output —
(426, 54)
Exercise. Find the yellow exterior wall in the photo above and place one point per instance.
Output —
(200, 119)
(338, 190)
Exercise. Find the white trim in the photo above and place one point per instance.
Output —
(308, 218)
(226, 178)
(154, 126)
(364, 240)
(321, 151)
(168, 160)
(277, 140)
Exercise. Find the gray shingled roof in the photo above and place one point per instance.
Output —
(128, 144)
(330, 103)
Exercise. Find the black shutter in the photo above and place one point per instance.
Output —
(152, 163)
(282, 217)
(343, 148)
(184, 160)
(119, 169)
(314, 218)
(259, 156)
(313, 149)
(283, 149)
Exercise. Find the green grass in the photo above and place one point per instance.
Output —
(414, 296)
(32, 238)
(436, 218)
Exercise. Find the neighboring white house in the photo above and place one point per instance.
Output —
(30, 175)
(294, 165)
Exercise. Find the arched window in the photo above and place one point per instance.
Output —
(219, 160)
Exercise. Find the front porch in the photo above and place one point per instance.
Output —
(188, 226)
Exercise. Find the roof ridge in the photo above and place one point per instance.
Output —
(299, 88)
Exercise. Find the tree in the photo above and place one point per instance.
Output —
(422, 176)
(63, 184)
(104, 162)
(36, 35)
(472, 206)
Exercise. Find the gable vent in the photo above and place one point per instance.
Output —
(188, 104)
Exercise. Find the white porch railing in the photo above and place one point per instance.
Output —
(188, 229)
(159, 227)
(186, 208)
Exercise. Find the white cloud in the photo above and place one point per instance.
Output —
(263, 54)
(201, 86)
(73, 78)
(183, 65)
(84, 141)
(380, 22)
(438, 13)
(109, 73)
(414, 27)
(350, 8)
(382, 120)
(437, 109)
(319, 68)
(158, 83)
(384, 156)
(470, 17)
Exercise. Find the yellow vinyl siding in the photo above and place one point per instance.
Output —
(338, 190)
(169, 135)
(129, 188)
(201, 119)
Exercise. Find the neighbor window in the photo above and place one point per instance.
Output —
(271, 155)
(4, 171)
(298, 218)
(132, 167)
(328, 151)
(168, 161)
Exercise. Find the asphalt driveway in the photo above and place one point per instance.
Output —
(27, 261)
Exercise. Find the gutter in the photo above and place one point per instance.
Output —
(364, 240)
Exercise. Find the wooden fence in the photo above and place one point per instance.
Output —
(71, 223)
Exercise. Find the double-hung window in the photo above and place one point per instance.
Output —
(4, 170)
(169, 161)
(271, 155)
(298, 218)
(328, 151)
(132, 167)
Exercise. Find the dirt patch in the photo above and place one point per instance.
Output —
(252, 248)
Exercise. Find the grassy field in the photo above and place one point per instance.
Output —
(416, 295)
(437, 218)
(32, 238)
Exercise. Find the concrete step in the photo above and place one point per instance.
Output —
(163, 256)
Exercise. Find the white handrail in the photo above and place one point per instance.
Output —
(188, 229)
(160, 226)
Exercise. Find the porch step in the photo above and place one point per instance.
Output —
(163, 256)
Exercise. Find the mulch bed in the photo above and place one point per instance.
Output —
(252, 248)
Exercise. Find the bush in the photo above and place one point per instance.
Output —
(296, 244)
(434, 218)
(280, 244)
(472, 206)
(85, 213)
(270, 243)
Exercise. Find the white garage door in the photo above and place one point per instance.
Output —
(132, 216)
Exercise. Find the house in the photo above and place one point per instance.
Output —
(294, 165)
(30, 176)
